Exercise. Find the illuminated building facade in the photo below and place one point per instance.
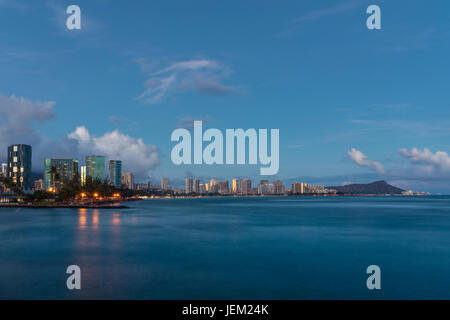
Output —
(95, 167)
(164, 184)
(235, 186)
(59, 171)
(189, 185)
(115, 173)
(83, 175)
(19, 165)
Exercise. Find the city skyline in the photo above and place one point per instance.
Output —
(120, 89)
(59, 171)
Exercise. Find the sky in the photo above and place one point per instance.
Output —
(352, 105)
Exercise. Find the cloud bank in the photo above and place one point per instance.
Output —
(136, 156)
(432, 162)
(19, 117)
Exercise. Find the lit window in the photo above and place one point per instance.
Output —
(21, 169)
(15, 159)
(15, 148)
(15, 169)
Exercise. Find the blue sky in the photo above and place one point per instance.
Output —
(312, 69)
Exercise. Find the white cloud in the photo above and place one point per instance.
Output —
(438, 161)
(136, 156)
(362, 160)
(203, 76)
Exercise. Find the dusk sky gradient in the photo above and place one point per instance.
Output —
(351, 104)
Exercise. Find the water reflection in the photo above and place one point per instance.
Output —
(116, 219)
(83, 216)
(82, 219)
(91, 227)
(95, 219)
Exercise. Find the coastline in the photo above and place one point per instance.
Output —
(64, 206)
(275, 195)
(119, 205)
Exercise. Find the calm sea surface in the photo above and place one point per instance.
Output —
(222, 248)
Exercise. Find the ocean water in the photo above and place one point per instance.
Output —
(231, 248)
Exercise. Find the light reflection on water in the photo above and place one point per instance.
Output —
(82, 220)
(95, 219)
(116, 219)
(90, 225)
(85, 216)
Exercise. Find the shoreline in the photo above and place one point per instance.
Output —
(63, 206)
(119, 205)
(276, 196)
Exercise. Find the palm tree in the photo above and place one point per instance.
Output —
(9, 184)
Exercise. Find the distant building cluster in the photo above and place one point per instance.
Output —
(415, 193)
(244, 187)
(59, 171)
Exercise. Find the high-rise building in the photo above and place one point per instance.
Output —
(213, 186)
(235, 186)
(95, 167)
(164, 184)
(224, 187)
(261, 187)
(266, 188)
(279, 187)
(39, 185)
(4, 171)
(141, 186)
(202, 188)
(196, 186)
(189, 185)
(299, 187)
(59, 171)
(115, 173)
(246, 186)
(83, 175)
(19, 165)
(128, 180)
